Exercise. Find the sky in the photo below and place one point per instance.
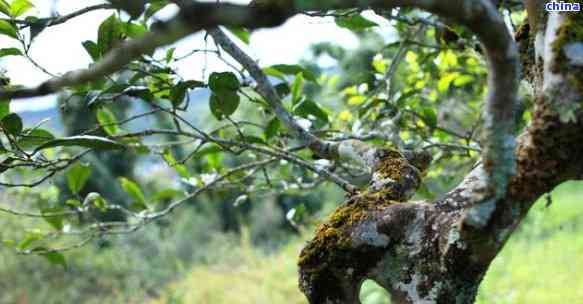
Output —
(59, 49)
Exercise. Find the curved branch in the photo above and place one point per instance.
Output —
(480, 16)
(326, 150)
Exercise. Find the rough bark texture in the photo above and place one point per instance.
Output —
(429, 252)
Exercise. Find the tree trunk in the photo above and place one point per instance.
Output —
(439, 252)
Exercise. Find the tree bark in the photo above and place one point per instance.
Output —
(433, 252)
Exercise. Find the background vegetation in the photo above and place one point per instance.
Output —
(188, 262)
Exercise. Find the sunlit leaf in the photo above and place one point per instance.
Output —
(20, 7)
(8, 29)
(463, 80)
(29, 239)
(171, 161)
(107, 120)
(134, 191)
(134, 30)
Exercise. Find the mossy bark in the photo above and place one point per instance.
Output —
(425, 252)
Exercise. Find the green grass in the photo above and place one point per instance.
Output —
(188, 262)
(540, 264)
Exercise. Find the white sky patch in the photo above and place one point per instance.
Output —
(59, 49)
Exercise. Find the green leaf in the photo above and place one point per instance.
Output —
(308, 107)
(12, 124)
(95, 199)
(430, 117)
(272, 128)
(9, 243)
(109, 34)
(4, 108)
(170, 54)
(180, 90)
(20, 7)
(289, 69)
(33, 138)
(355, 23)
(224, 103)
(37, 25)
(171, 161)
(463, 80)
(135, 30)
(92, 49)
(4, 8)
(29, 239)
(10, 52)
(87, 141)
(253, 139)
(55, 221)
(77, 176)
(73, 203)
(165, 195)
(8, 29)
(240, 33)
(56, 258)
(297, 88)
(225, 81)
(107, 120)
(134, 191)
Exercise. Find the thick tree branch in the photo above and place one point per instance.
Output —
(430, 252)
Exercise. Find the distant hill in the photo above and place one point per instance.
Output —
(32, 117)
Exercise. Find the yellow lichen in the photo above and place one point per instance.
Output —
(332, 247)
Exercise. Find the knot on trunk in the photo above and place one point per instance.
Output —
(349, 244)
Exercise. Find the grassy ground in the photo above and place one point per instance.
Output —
(540, 264)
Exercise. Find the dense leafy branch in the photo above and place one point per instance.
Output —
(196, 16)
